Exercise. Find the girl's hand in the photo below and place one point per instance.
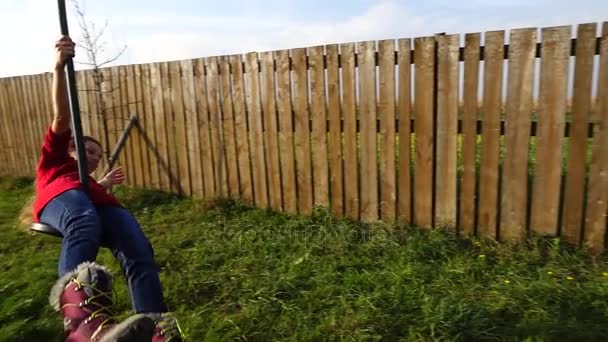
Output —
(114, 177)
(64, 49)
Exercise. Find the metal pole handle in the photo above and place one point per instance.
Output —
(74, 106)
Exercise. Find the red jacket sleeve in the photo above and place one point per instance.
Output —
(54, 150)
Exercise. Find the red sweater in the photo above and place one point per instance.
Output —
(57, 172)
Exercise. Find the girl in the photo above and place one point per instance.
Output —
(87, 221)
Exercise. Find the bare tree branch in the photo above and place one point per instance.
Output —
(94, 47)
(86, 63)
(114, 58)
(100, 34)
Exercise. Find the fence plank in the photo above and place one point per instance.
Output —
(229, 137)
(146, 162)
(127, 112)
(111, 101)
(581, 105)
(351, 168)
(121, 122)
(149, 127)
(113, 111)
(172, 170)
(469, 134)
(83, 100)
(215, 119)
(121, 119)
(550, 129)
(302, 132)
(404, 194)
(46, 112)
(240, 123)
(194, 148)
(320, 168)
(597, 200)
(490, 149)
(96, 122)
(50, 113)
(424, 48)
(447, 131)
(22, 106)
(37, 114)
(255, 130)
(517, 135)
(129, 162)
(386, 114)
(290, 203)
(11, 124)
(367, 119)
(150, 131)
(5, 161)
(19, 127)
(335, 131)
(94, 114)
(204, 128)
(36, 118)
(118, 117)
(15, 124)
(48, 81)
(270, 121)
(26, 117)
(8, 134)
(181, 141)
(134, 138)
(103, 119)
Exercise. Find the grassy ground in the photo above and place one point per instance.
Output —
(235, 273)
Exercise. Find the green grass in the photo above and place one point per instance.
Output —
(236, 273)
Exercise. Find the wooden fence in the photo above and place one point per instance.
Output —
(391, 130)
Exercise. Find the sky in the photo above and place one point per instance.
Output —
(155, 30)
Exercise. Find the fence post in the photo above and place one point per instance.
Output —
(435, 115)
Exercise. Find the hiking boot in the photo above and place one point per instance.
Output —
(167, 329)
(84, 297)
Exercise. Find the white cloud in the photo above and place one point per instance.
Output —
(384, 20)
(153, 36)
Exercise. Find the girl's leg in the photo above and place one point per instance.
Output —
(123, 235)
(75, 216)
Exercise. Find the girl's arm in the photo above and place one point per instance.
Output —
(64, 49)
(56, 140)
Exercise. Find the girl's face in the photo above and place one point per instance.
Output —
(93, 153)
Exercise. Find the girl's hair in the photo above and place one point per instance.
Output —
(84, 139)
(26, 217)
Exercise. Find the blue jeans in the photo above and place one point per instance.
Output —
(86, 227)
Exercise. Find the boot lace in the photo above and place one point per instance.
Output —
(101, 309)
